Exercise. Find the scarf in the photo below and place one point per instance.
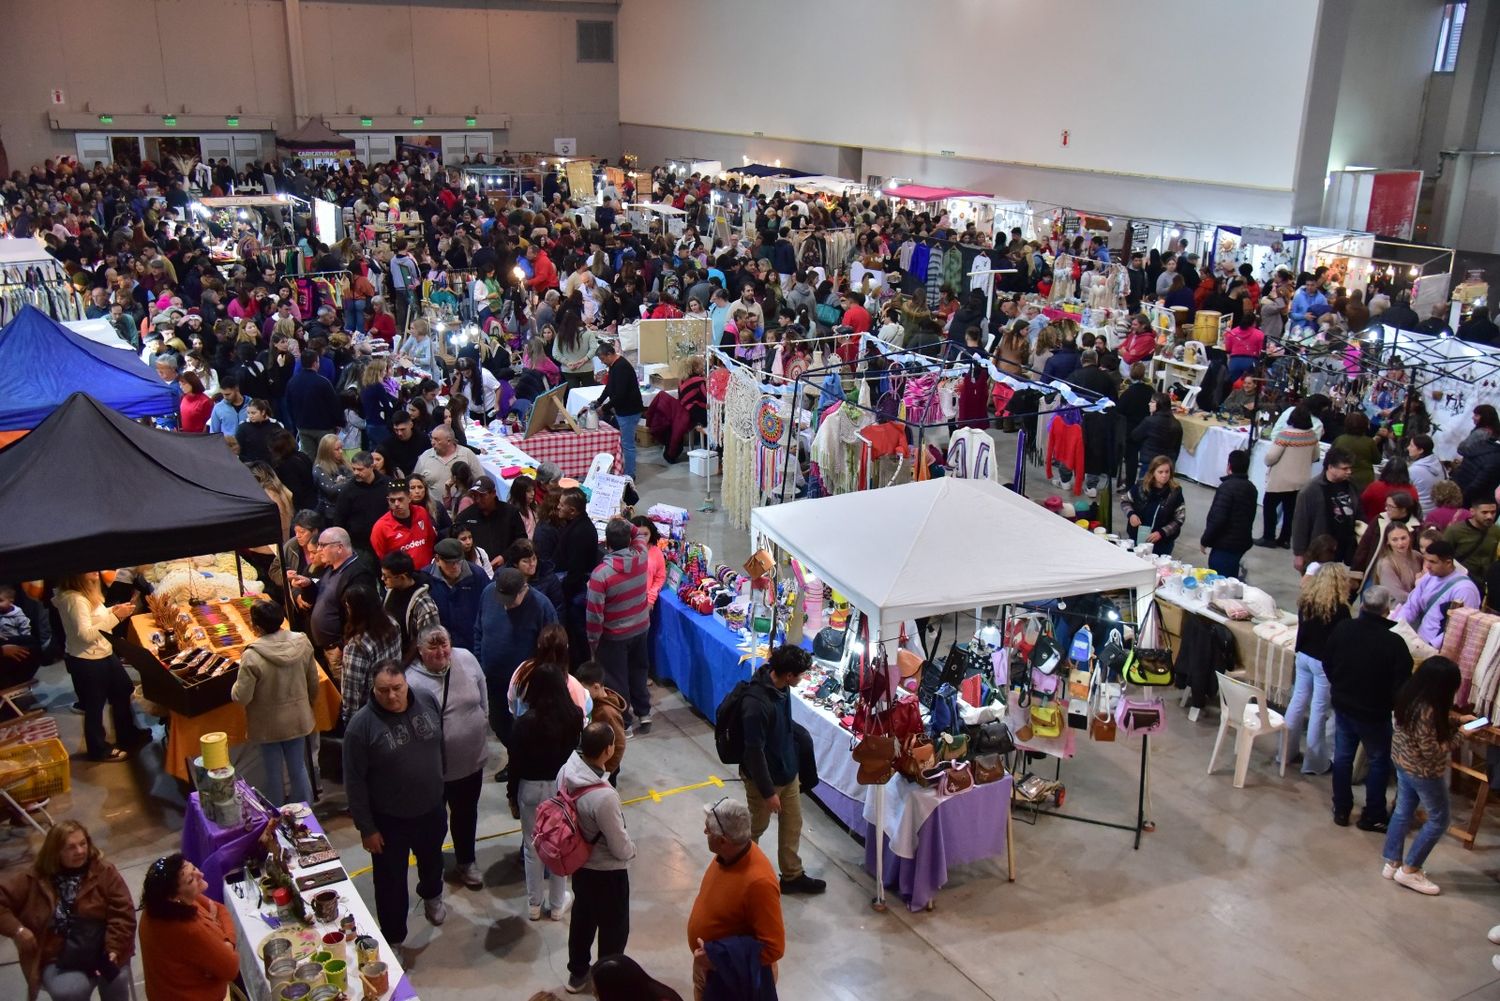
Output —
(66, 882)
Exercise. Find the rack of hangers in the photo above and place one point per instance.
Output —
(55, 297)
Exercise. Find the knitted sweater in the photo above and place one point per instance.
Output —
(617, 602)
(742, 898)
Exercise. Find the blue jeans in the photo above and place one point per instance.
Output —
(354, 315)
(70, 985)
(1433, 795)
(1309, 690)
(1348, 733)
(293, 755)
(1225, 562)
(627, 440)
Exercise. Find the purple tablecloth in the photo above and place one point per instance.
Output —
(965, 828)
(214, 849)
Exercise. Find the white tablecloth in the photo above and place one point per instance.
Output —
(586, 395)
(907, 805)
(1207, 463)
(497, 451)
(252, 931)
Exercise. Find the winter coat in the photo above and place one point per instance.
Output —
(600, 819)
(1479, 474)
(1159, 434)
(1231, 518)
(277, 684)
(465, 708)
(610, 708)
(1366, 664)
(458, 602)
(27, 900)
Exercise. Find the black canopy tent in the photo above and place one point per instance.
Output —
(89, 489)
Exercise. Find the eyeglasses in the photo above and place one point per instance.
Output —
(714, 809)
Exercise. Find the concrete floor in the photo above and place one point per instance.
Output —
(1238, 893)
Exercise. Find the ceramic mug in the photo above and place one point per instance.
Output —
(337, 973)
(376, 977)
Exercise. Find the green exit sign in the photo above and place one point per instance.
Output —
(418, 121)
(232, 121)
(471, 121)
(366, 121)
(169, 119)
(106, 119)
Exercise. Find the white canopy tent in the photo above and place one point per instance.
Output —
(24, 251)
(944, 545)
(100, 331)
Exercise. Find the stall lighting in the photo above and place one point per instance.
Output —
(244, 214)
(106, 119)
(418, 121)
(520, 275)
(366, 121)
(471, 121)
(1415, 271)
(232, 121)
(169, 119)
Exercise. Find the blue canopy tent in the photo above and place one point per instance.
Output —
(42, 363)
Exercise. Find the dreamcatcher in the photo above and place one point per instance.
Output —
(741, 398)
(771, 422)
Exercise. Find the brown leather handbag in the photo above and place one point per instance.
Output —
(958, 777)
(876, 755)
(987, 771)
(917, 755)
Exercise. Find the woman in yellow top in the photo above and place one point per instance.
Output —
(99, 678)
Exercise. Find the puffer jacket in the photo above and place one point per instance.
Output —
(277, 685)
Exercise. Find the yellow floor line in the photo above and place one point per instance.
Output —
(652, 796)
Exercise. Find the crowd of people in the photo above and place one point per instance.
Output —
(451, 607)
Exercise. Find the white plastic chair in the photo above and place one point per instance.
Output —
(1250, 720)
(603, 463)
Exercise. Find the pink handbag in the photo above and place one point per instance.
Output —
(1141, 716)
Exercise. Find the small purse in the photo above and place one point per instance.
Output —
(957, 777)
(1149, 666)
(988, 770)
(990, 738)
(1141, 716)
(876, 755)
(1046, 720)
(917, 756)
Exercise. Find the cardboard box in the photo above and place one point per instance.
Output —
(643, 436)
(703, 462)
(665, 382)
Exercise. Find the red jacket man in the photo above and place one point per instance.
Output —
(543, 271)
(404, 528)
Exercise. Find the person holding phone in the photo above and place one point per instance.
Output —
(99, 679)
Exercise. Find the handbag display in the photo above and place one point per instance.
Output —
(990, 738)
(917, 757)
(957, 777)
(1141, 716)
(1150, 666)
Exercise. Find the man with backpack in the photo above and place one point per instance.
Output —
(601, 886)
(754, 729)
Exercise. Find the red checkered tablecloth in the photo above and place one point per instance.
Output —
(574, 451)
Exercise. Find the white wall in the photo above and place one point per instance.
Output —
(981, 87)
(1388, 56)
(215, 57)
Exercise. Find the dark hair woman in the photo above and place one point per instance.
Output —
(188, 940)
(620, 978)
(543, 739)
(1155, 508)
(1420, 749)
(371, 637)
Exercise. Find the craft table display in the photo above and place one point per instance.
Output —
(925, 835)
(1267, 665)
(574, 451)
(252, 930)
(185, 732)
(585, 396)
(498, 453)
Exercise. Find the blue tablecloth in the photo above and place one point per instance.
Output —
(697, 654)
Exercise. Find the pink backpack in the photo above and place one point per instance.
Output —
(557, 838)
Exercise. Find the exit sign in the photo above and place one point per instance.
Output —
(946, 152)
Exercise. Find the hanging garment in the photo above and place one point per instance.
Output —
(981, 262)
(917, 261)
(1065, 444)
(953, 268)
(973, 399)
(971, 456)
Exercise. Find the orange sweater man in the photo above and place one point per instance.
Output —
(740, 893)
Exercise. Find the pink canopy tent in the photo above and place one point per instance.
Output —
(922, 193)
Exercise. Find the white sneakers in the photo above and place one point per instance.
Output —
(534, 912)
(1416, 881)
(1495, 935)
(558, 913)
(1389, 870)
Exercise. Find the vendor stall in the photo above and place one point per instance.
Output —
(643, 215)
(315, 144)
(1027, 554)
(276, 946)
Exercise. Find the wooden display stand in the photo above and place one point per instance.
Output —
(1468, 832)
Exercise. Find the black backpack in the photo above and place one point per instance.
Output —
(729, 725)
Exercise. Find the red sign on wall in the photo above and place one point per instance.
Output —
(1393, 203)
